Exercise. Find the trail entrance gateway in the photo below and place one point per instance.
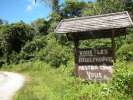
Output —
(97, 63)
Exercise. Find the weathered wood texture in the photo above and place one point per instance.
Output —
(97, 34)
(113, 44)
(93, 72)
(94, 23)
(76, 43)
(97, 56)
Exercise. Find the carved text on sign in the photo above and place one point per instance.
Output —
(100, 73)
(96, 56)
(92, 52)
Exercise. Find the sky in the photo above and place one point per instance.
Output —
(25, 10)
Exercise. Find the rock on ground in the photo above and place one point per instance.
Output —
(9, 83)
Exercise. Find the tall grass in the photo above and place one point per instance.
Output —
(47, 83)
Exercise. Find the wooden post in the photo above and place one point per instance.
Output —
(76, 44)
(113, 44)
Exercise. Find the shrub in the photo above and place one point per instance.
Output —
(41, 26)
(28, 52)
(12, 38)
(123, 79)
(97, 43)
(126, 51)
(54, 53)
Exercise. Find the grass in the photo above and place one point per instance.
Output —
(43, 82)
(130, 65)
(47, 83)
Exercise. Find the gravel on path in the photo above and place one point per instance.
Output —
(10, 82)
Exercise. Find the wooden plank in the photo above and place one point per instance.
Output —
(90, 28)
(97, 34)
(94, 72)
(129, 18)
(94, 26)
(97, 56)
(102, 22)
(95, 21)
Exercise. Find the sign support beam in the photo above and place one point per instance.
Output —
(113, 45)
(76, 44)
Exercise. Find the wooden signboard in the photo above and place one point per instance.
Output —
(97, 56)
(95, 64)
(98, 73)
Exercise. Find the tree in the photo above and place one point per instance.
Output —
(41, 26)
(110, 6)
(54, 53)
(129, 7)
(116, 5)
(29, 50)
(73, 8)
(91, 9)
(13, 37)
(1, 21)
(52, 3)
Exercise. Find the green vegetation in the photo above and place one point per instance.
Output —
(47, 83)
(45, 58)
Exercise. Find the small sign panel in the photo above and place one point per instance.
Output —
(98, 73)
(98, 56)
(95, 64)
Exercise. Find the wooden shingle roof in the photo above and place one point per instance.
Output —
(88, 24)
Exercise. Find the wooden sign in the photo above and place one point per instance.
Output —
(97, 56)
(98, 73)
(95, 64)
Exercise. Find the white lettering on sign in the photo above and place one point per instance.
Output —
(97, 56)
(95, 59)
(91, 72)
(91, 52)
(95, 67)
(94, 75)
(95, 64)
(101, 52)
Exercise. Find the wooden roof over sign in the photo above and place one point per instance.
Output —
(96, 26)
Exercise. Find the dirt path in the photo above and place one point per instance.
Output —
(9, 83)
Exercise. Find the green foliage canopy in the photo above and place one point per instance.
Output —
(41, 26)
(13, 37)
